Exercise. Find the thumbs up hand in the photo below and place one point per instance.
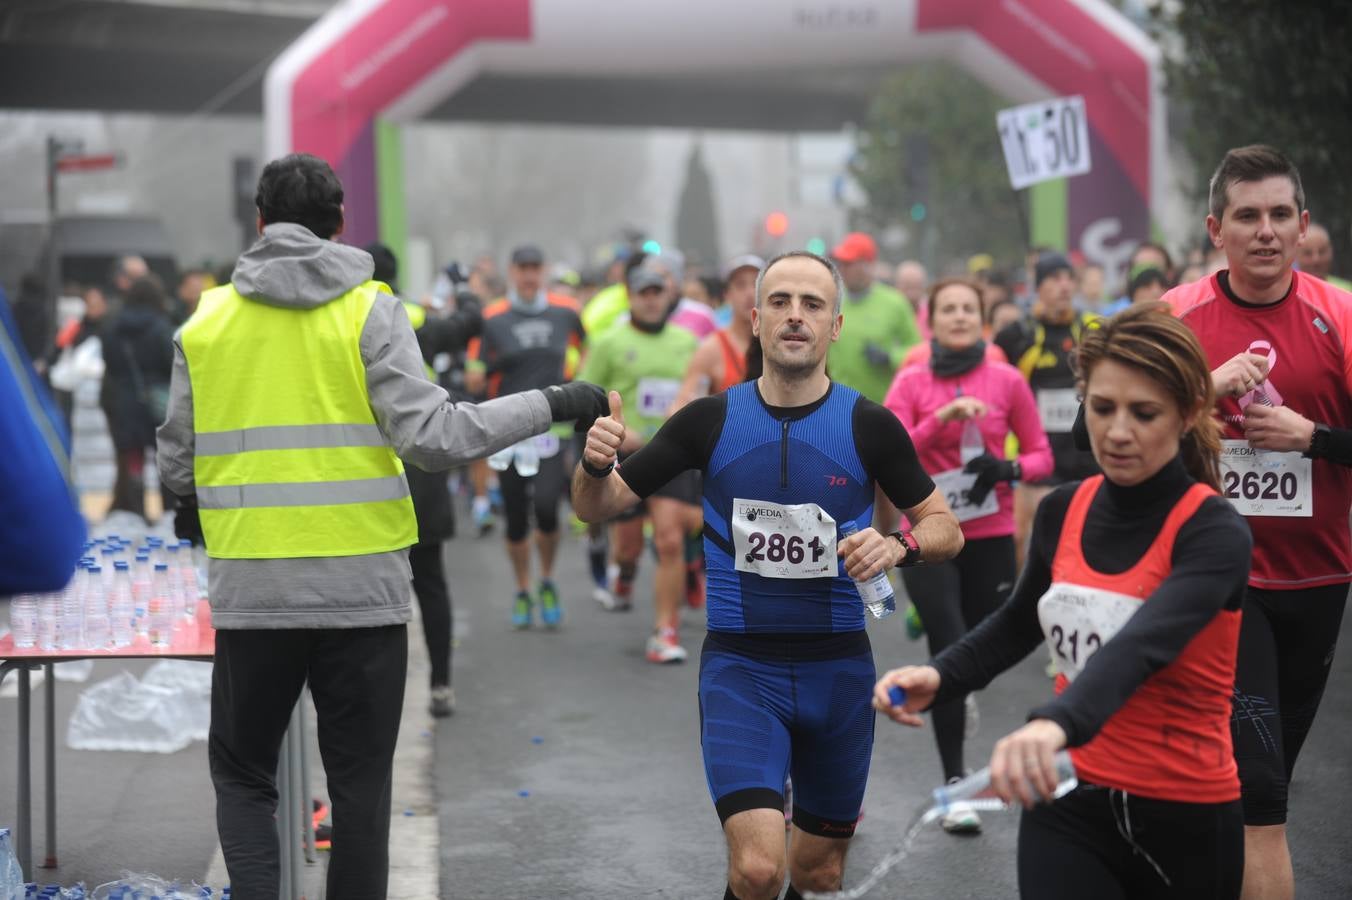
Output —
(606, 435)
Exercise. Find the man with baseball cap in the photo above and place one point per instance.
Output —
(530, 338)
(879, 322)
(1041, 346)
(720, 361)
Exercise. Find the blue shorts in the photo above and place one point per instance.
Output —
(762, 720)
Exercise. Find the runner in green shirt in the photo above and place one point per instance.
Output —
(645, 360)
(879, 323)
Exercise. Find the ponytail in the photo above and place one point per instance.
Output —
(1201, 449)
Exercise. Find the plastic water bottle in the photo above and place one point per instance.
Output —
(72, 611)
(876, 592)
(159, 618)
(49, 620)
(971, 445)
(187, 573)
(176, 589)
(975, 789)
(499, 461)
(11, 873)
(97, 632)
(121, 609)
(140, 593)
(527, 458)
(23, 620)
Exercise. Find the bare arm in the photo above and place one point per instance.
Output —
(935, 528)
(701, 375)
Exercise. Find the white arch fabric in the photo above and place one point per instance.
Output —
(396, 59)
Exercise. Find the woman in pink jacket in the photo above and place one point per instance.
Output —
(958, 410)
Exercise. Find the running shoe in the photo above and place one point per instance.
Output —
(550, 611)
(961, 820)
(915, 628)
(442, 705)
(664, 648)
(971, 723)
(482, 511)
(521, 610)
(609, 601)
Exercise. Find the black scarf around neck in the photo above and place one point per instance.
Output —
(947, 362)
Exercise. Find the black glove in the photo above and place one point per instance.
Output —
(577, 400)
(187, 521)
(988, 470)
(877, 356)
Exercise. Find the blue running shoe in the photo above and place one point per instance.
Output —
(550, 611)
(521, 610)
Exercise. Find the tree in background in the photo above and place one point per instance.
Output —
(1253, 71)
(930, 162)
(696, 223)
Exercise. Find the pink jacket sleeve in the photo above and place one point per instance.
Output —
(901, 398)
(1035, 454)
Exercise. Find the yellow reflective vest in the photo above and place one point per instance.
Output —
(288, 458)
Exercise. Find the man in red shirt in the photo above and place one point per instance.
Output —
(1279, 341)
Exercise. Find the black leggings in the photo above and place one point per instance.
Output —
(1286, 643)
(953, 597)
(434, 600)
(1108, 845)
(546, 488)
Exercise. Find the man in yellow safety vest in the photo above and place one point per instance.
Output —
(297, 388)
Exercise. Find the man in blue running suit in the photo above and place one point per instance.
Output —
(790, 460)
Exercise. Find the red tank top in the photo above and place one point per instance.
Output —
(1171, 739)
(734, 362)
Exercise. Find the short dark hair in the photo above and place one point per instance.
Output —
(1252, 163)
(387, 264)
(830, 267)
(303, 190)
(147, 293)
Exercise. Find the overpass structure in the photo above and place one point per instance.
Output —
(342, 77)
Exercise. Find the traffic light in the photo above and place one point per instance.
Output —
(918, 212)
(776, 224)
(651, 247)
(816, 245)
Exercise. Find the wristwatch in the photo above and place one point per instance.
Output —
(1319, 442)
(595, 472)
(908, 541)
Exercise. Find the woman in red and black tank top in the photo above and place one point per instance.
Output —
(1134, 578)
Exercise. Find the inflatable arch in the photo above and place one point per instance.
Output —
(341, 90)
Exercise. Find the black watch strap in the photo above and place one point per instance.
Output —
(595, 472)
(1319, 442)
(912, 557)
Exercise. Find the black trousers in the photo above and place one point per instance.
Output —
(356, 677)
(1101, 843)
(952, 598)
(434, 599)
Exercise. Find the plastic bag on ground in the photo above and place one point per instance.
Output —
(122, 713)
(193, 681)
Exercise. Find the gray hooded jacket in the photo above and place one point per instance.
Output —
(291, 267)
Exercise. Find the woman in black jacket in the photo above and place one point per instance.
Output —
(138, 355)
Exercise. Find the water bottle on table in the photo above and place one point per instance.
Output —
(876, 592)
(121, 609)
(96, 624)
(23, 620)
(72, 611)
(159, 612)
